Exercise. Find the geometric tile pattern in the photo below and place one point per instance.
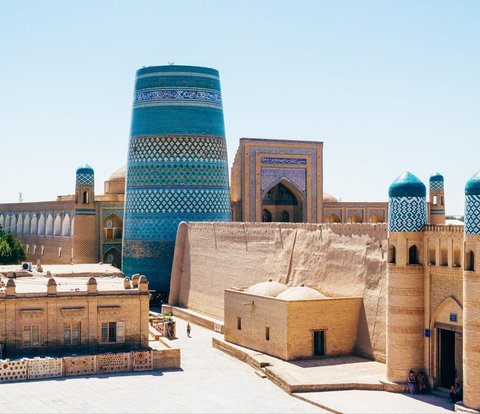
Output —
(288, 161)
(167, 96)
(472, 214)
(270, 176)
(191, 200)
(436, 185)
(178, 174)
(87, 179)
(177, 148)
(407, 214)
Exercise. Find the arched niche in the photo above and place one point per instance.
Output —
(333, 218)
(66, 225)
(57, 225)
(113, 256)
(112, 227)
(284, 196)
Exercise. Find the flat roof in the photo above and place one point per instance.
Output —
(71, 270)
(38, 284)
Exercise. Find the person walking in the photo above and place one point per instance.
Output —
(189, 329)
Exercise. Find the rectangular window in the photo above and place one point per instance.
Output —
(72, 333)
(113, 332)
(239, 323)
(31, 336)
(267, 334)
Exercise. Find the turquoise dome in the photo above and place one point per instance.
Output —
(407, 185)
(473, 185)
(436, 177)
(85, 169)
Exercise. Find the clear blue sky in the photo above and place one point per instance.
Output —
(388, 86)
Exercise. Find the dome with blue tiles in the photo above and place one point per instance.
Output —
(85, 175)
(472, 205)
(436, 181)
(407, 185)
(473, 185)
(407, 211)
(436, 177)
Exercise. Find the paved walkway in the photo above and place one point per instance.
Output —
(209, 381)
(378, 402)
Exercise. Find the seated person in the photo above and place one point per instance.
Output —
(411, 382)
(422, 382)
(458, 392)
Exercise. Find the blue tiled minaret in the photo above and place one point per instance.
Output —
(472, 205)
(471, 295)
(407, 212)
(407, 209)
(436, 211)
(177, 165)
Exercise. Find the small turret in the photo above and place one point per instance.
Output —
(407, 206)
(471, 293)
(436, 210)
(84, 184)
(405, 276)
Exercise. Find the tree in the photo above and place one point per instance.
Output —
(11, 250)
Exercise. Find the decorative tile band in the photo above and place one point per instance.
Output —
(198, 200)
(195, 74)
(472, 214)
(407, 214)
(85, 179)
(203, 148)
(181, 174)
(436, 185)
(163, 96)
(288, 161)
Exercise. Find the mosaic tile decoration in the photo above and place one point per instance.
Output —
(254, 150)
(177, 167)
(271, 176)
(407, 214)
(85, 179)
(280, 160)
(167, 96)
(177, 148)
(472, 214)
(436, 185)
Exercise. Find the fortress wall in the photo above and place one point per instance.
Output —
(336, 259)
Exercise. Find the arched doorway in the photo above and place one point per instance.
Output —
(446, 343)
(284, 203)
(266, 216)
(113, 256)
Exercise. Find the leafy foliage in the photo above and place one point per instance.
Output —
(11, 250)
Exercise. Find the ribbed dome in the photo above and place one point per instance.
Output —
(269, 288)
(118, 174)
(85, 169)
(436, 177)
(407, 185)
(473, 185)
(300, 293)
(328, 198)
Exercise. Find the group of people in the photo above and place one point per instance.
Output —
(416, 383)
